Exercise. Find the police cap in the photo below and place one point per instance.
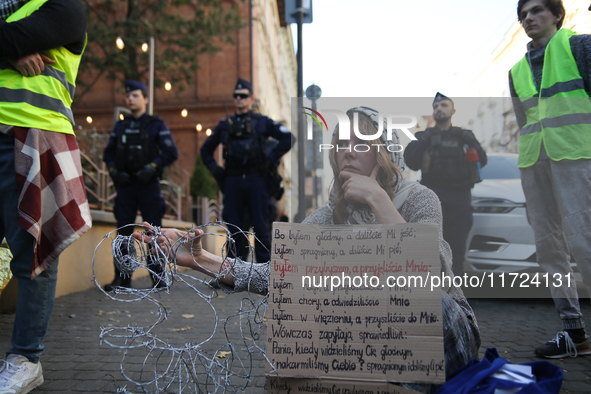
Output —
(243, 84)
(440, 97)
(131, 85)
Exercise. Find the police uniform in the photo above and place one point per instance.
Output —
(441, 157)
(243, 180)
(136, 155)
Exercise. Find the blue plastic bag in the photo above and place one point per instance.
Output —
(476, 377)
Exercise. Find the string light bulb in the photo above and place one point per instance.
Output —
(208, 132)
(145, 47)
(121, 117)
(89, 119)
(199, 127)
(184, 113)
(167, 85)
(119, 42)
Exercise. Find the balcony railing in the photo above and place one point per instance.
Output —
(206, 210)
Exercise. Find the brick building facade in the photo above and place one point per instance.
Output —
(262, 52)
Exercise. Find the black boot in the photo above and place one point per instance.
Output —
(158, 281)
(118, 282)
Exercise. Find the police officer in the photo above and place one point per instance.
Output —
(443, 153)
(244, 178)
(139, 148)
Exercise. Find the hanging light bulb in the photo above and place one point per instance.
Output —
(167, 85)
(145, 47)
(184, 113)
(121, 117)
(119, 42)
(199, 127)
(89, 119)
(208, 132)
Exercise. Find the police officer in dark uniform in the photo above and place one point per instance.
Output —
(244, 180)
(448, 158)
(139, 148)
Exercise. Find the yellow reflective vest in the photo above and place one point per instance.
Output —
(559, 113)
(43, 101)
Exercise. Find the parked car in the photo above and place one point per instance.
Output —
(501, 239)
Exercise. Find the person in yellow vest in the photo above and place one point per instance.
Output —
(43, 205)
(550, 87)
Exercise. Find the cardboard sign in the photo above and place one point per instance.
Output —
(355, 304)
(328, 386)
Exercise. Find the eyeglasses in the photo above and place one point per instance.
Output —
(241, 95)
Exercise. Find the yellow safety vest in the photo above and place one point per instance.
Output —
(43, 101)
(559, 114)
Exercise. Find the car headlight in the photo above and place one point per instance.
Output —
(494, 205)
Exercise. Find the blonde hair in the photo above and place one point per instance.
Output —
(388, 176)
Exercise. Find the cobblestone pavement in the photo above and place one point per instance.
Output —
(75, 361)
(517, 326)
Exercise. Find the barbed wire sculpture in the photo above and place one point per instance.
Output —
(156, 364)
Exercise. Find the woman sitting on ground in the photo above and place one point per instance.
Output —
(368, 188)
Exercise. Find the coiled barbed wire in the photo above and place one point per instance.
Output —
(196, 366)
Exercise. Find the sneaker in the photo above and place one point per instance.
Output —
(19, 376)
(562, 345)
(118, 282)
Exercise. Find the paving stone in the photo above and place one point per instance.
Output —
(578, 367)
(62, 385)
(576, 387)
(75, 360)
(576, 376)
(59, 375)
(90, 385)
(57, 366)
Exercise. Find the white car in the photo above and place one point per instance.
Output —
(501, 239)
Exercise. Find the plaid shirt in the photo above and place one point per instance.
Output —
(8, 7)
(52, 203)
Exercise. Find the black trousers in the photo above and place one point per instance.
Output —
(456, 207)
(148, 199)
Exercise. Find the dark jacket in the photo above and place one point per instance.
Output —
(162, 152)
(443, 153)
(246, 152)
